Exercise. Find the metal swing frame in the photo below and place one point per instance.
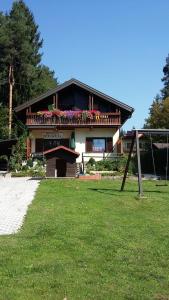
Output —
(135, 137)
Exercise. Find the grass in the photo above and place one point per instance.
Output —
(87, 240)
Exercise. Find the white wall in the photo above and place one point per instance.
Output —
(82, 133)
(39, 134)
(80, 138)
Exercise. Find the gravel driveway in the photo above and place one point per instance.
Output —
(15, 196)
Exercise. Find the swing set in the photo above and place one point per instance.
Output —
(135, 138)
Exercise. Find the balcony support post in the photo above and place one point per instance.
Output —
(28, 148)
(89, 102)
(56, 101)
(92, 103)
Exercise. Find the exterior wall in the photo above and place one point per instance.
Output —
(39, 134)
(80, 139)
(126, 143)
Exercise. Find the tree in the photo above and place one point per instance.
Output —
(165, 79)
(20, 46)
(154, 119)
(3, 122)
(159, 110)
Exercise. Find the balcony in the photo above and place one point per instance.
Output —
(73, 119)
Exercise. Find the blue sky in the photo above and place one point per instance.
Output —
(117, 46)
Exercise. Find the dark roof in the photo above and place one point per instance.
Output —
(61, 148)
(80, 84)
(130, 134)
(161, 145)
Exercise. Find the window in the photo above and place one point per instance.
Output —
(99, 144)
(46, 144)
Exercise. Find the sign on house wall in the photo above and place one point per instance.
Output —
(53, 135)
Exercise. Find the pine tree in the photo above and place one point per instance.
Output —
(159, 110)
(153, 121)
(165, 79)
(3, 122)
(20, 46)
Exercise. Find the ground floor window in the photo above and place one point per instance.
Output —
(42, 145)
(99, 144)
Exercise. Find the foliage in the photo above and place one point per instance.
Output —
(159, 110)
(158, 115)
(18, 153)
(116, 164)
(32, 168)
(3, 122)
(88, 240)
(165, 79)
(91, 161)
(32, 172)
(30, 163)
(71, 114)
(20, 46)
(4, 158)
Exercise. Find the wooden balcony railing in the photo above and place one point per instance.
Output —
(103, 119)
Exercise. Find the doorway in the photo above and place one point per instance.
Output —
(60, 168)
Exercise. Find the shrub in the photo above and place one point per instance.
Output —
(91, 161)
(117, 164)
(30, 163)
(18, 153)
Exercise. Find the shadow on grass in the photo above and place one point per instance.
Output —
(117, 192)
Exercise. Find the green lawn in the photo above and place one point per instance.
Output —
(87, 240)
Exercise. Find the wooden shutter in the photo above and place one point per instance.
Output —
(39, 145)
(89, 144)
(109, 144)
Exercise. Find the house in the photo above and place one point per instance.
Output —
(124, 143)
(76, 121)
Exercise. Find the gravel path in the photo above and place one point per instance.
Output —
(15, 196)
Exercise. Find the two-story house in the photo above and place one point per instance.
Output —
(71, 123)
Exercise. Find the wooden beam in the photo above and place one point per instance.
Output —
(90, 106)
(152, 131)
(92, 102)
(56, 101)
(128, 162)
(28, 148)
(140, 188)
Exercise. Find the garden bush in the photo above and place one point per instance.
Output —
(116, 164)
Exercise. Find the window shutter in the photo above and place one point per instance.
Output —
(39, 145)
(109, 144)
(89, 145)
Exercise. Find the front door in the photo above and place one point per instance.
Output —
(60, 167)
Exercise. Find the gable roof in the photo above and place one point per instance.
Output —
(79, 84)
(76, 154)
